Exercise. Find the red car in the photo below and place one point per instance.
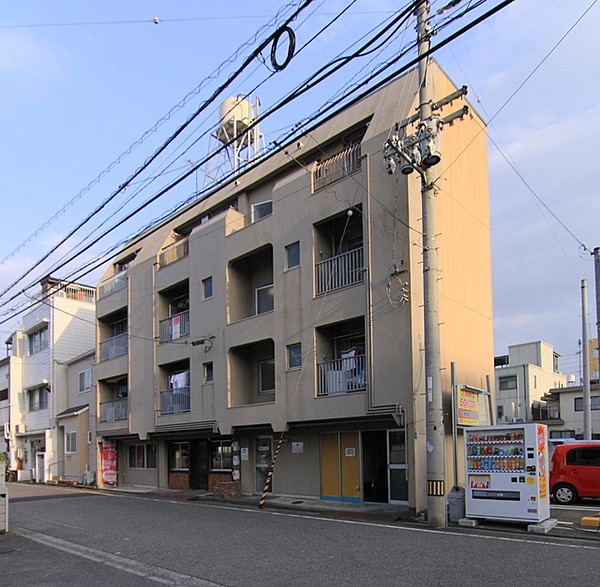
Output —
(575, 472)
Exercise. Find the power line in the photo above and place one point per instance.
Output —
(153, 157)
(298, 92)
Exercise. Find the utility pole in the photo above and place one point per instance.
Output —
(420, 152)
(587, 408)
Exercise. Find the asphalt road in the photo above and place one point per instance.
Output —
(77, 537)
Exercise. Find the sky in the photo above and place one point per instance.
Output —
(88, 91)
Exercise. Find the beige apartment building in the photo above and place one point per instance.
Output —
(288, 304)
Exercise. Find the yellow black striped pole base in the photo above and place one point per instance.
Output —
(435, 488)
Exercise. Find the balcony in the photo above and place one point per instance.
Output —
(112, 284)
(114, 347)
(173, 252)
(175, 327)
(339, 271)
(337, 167)
(344, 375)
(175, 401)
(113, 410)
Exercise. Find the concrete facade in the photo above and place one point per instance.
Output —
(268, 319)
(523, 377)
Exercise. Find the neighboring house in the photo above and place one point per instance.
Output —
(522, 378)
(56, 327)
(78, 421)
(565, 405)
(289, 304)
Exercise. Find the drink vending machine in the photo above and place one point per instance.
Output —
(507, 472)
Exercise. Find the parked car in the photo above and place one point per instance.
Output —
(575, 471)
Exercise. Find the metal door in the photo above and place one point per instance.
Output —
(398, 472)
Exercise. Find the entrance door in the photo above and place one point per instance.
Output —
(340, 466)
(263, 458)
(375, 466)
(397, 467)
(199, 464)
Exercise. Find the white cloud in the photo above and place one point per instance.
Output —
(24, 55)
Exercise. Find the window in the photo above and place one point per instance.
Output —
(266, 375)
(38, 399)
(89, 437)
(207, 288)
(220, 455)
(3, 394)
(594, 401)
(294, 356)
(179, 456)
(142, 456)
(38, 341)
(264, 299)
(535, 382)
(587, 457)
(500, 412)
(208, 373)
(292, 253)
(70, 442)
(261, 209)
(507, 383)
(595, 352)
(85, 380)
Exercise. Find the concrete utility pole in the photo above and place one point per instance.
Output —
(587, 408)
(419, 152)
(436, 473)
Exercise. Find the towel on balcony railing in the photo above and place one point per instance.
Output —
(353, 367)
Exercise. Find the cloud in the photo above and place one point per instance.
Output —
(23, 55)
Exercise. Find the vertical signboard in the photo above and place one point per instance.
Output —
(109, 462)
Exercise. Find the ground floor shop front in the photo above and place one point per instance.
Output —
(338, 462)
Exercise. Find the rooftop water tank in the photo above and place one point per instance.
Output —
(235, 115)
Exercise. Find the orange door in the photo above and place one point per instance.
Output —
(350, 457)
(340, 466)
(330, 466)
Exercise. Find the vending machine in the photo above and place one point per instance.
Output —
(507, 472)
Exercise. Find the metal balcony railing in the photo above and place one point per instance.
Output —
(174, 327)
(337, 167)
(114, 347)
(113, 410)
(112, 284)
(174, 252)
(342, 375)
(339, 271)
(175, 401)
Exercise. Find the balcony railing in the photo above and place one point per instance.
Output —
(113, 410)
(174, 252)
(337, 167)
(174, 327)
(175, 401)
(113, 347)
(81, 293)
(339, 271)
(342, 375)
(112, 284)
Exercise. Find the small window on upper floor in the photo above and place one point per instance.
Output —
(38, 340)
(208, 373)
(264, 299)
(207, 288)
(85, 380)
(266, 376)
(261, 209)
(294, 356)
(3, 394)
(292, 255)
